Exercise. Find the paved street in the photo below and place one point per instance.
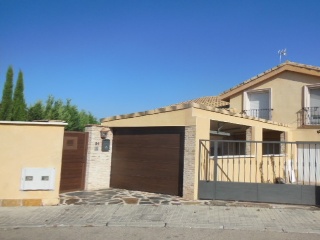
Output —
(276, 219)
(136, 233)
(117, 214)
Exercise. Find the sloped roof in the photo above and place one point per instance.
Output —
(212, 101)
(286, 66)
(182, 106)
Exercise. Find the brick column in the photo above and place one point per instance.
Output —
(283, 145)
(98, 163)
(249, 146)
(189, 164)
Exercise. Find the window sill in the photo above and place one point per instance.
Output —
(233, 156)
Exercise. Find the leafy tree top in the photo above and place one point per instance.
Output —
(58, 110)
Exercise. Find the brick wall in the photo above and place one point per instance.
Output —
(189, 162)
(98, 162)
(248, 138)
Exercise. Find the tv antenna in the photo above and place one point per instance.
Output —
(282, 52)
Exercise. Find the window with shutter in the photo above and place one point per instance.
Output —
(312, 104)
(257, 104)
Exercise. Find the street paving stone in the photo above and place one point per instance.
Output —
(191, 216)
(162, 213)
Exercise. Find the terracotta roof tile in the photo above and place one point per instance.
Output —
(212, 101)
(191, 104)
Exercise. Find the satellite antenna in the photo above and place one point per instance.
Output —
(282, 52)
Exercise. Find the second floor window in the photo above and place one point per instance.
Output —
(258, 104)
(312, 105)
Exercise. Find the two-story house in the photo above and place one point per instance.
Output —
(176, 149)
(288, 93)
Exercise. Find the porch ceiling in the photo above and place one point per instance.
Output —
(231, 128)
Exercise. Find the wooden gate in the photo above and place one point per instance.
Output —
(74, 158)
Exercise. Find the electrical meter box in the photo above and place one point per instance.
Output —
(37, 179)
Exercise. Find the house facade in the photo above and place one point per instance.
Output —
(288, 93)
(162, 150)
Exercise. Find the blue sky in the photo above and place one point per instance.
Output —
(115, 57)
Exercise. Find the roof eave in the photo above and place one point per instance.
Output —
(288, 66)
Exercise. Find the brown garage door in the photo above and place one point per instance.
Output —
(148, 159)
(74, 157)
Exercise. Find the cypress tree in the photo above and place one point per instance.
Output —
(6, 102)
(19, 108)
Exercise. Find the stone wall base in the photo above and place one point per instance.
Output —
(28, 202)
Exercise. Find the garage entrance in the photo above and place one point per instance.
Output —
(148, 159)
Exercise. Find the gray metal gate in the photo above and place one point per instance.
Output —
(275, 172)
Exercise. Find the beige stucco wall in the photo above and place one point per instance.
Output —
(188, 117)
(239, 119)
(202, 132)
(29, 145)
(306, 135)
(154, 119)
(287, 98)
(286, 95)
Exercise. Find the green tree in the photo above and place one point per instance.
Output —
(49, 107)
(58, 110)
(71, 116)
(19, 107)
(6, 102)
(86, 118)
(36, 112)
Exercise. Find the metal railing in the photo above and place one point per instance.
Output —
(311, 115)
(259, 113)
(260, 162)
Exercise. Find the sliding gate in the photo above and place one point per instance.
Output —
(275, 172)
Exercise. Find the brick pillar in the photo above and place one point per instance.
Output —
(249, 146)
(283, 145)
(98, 163)
(189, 164)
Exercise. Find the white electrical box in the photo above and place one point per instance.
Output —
(38, 178)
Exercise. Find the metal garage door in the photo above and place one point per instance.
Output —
(74, 158)
(148, 159)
